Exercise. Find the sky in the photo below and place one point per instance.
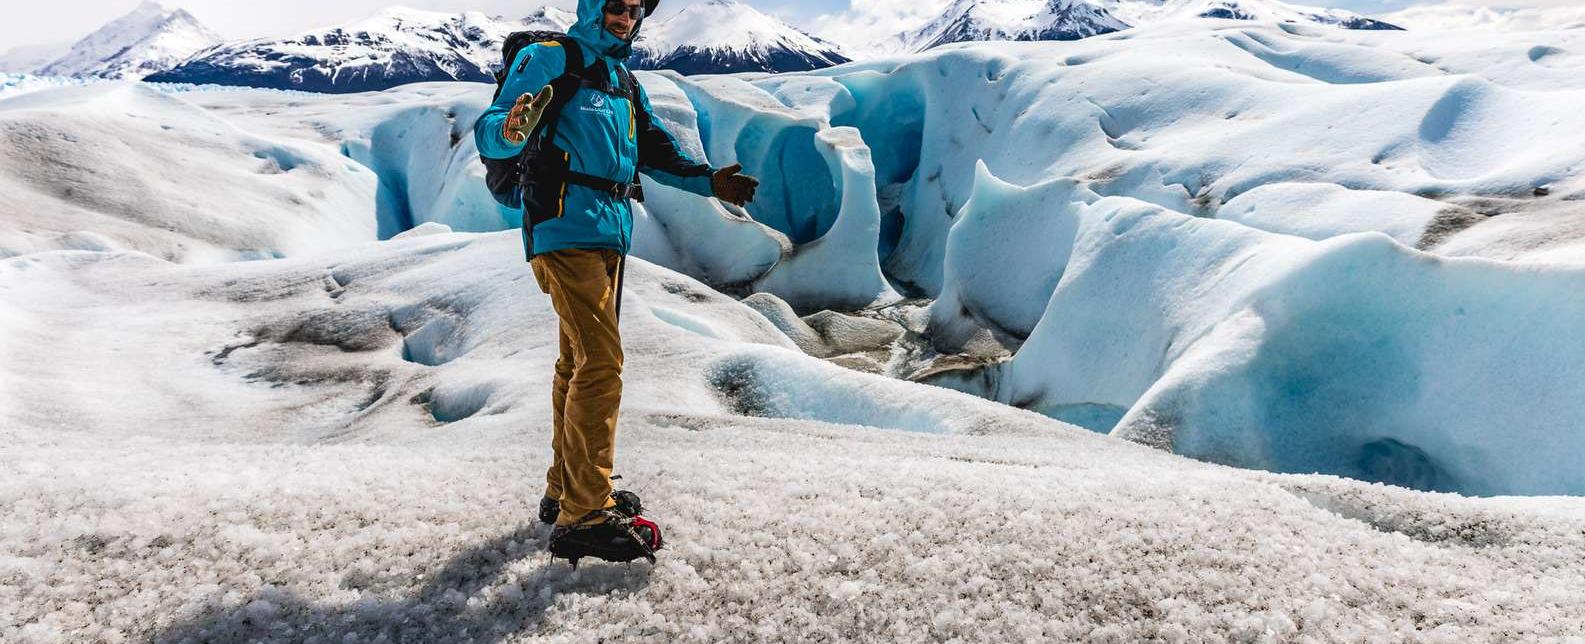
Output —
(30, 22)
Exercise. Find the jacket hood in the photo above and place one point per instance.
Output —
(590, 31)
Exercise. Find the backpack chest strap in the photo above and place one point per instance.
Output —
(617, 189)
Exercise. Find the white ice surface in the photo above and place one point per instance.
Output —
(1354, 355)
(348, 440)
(1457, 146)
(1463, 149)
(12, 85)
(113, 166)
(242, 452)
(1321, 210)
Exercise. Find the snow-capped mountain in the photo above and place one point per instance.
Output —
(395, 47)
(148, 40)
(400, 46)
(972, 20)
(727, 36)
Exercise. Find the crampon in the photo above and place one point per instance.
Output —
(619, 539)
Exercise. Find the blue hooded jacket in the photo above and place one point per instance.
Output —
(603, 134)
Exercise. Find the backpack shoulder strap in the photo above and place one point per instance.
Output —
(513, 45)
(627, 85)
(565, 86)
(574, 54)
(634, 93)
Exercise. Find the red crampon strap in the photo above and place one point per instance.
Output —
(654, 530)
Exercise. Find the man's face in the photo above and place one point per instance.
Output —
(621, 23)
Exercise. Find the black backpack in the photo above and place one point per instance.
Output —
(535, 180)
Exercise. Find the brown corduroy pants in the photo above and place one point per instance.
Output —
(587, 391)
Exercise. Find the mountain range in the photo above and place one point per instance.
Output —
(971, 20)
(728, 36)
(399, 46)
(395, 47)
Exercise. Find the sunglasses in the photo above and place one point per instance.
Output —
(619, 7)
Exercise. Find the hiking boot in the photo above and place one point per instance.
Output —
(627, 504)
(549, 509)
(619, 539)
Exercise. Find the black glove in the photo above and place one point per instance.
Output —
(733, 187)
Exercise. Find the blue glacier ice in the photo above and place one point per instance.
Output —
(1220, 254)
(1276, 248)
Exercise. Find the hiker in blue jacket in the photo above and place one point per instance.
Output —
(579, 223)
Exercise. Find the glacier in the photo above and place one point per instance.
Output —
(1051, 221)
(1131, 303)
(271, 365)
(174, 190)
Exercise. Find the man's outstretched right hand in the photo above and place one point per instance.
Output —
(732, 186)
(525, 115)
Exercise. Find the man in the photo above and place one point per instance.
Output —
(577, 252)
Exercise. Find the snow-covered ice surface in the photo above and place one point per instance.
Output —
(1453, 149)
(18, 84)
(1279, 247)
(350, 443)
(113, 166)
